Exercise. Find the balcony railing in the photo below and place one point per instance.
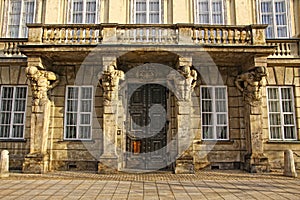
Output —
(11, 45)
(285, 47)
(150, 34)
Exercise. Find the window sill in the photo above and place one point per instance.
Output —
(13, 140)
(76, 141)
(283, 142)
(218, 142)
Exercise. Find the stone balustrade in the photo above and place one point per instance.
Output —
(285, 47)
(147, 33)
(217, 34)
(11, 45)
(72, 34)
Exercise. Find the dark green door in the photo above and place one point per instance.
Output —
(146, 129)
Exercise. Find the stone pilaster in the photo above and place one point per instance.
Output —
(109, 80)
(41, 81)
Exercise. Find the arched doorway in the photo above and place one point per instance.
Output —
(147, 127)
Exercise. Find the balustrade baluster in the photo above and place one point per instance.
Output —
(237, 35)
(224, 36)
(63, 35)
(57, 35)
(230, 36)
(218, 36)
(206, 35)
(288, 49)
(87, 35)
(51, 35)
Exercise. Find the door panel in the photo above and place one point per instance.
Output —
(146, 130)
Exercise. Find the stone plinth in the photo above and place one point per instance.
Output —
(36, 164)
(108, 165)
(289, 164)
(184, 165)
(4, 164)
(256, 163)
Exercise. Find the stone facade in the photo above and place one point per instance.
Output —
(140, 72)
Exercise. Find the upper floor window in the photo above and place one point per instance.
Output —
(282, 125)
(12, 112)
(20, 12)
(209, 12)
(78, 112)
(214, 112)
(275, 14)
(147, 12)
(83, 11)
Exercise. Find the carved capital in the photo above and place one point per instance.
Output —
(250, 84)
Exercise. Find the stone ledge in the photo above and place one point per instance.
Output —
(283, 142)
(13, 140)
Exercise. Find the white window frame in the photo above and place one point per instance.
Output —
(84, 11)
(13, 112)
(20, 24)
(133, 6)
(214, 113)
(274, 25)
(210, 12)
(78, 112)
(282, 125)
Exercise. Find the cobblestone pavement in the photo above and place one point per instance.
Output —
(203, 185)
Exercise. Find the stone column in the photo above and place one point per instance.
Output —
(109, 80)
(4, 164)
(41, 81)
(250, 83)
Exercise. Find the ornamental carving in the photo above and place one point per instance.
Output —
(182, 82)
(41, 82)
(250, 84)
(109, 80)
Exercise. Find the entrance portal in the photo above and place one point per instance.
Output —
(146, 137)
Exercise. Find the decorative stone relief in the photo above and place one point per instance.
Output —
(109, 80)
(41, 82)
(250, 83)
(183, 82)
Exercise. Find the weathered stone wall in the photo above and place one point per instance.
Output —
(274, 150)
(221, 154)
(72, 154)
(14, 74)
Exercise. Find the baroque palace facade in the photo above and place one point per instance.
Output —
(139, 85)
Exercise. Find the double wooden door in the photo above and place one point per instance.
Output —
(146, 137)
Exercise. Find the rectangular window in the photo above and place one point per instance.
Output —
(214, 112)
(281, 113)
(274, 13)
(83, 11)
(78, 112)
(13, 101)
(147, 12)
(20, 13)
(209, 12)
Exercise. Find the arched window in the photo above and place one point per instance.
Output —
(20, 12)
(209, 11)
(83, 11)
(147, 11)
(275, 14)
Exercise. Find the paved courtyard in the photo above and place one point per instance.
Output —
(203, 185)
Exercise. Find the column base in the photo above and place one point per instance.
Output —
(184, 165)
(108, 165)
(36, 163)
(256, 163)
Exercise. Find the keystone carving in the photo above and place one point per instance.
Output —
(109, 80)
(183, 82)
(250, 83)
(41, 82)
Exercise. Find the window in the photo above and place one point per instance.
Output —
(83, 11)
(214, 112)
(209, 12)
(12, 112)
(281, 113)
(78, 112)
(20, 13)
(147, 11)
(275, 14)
